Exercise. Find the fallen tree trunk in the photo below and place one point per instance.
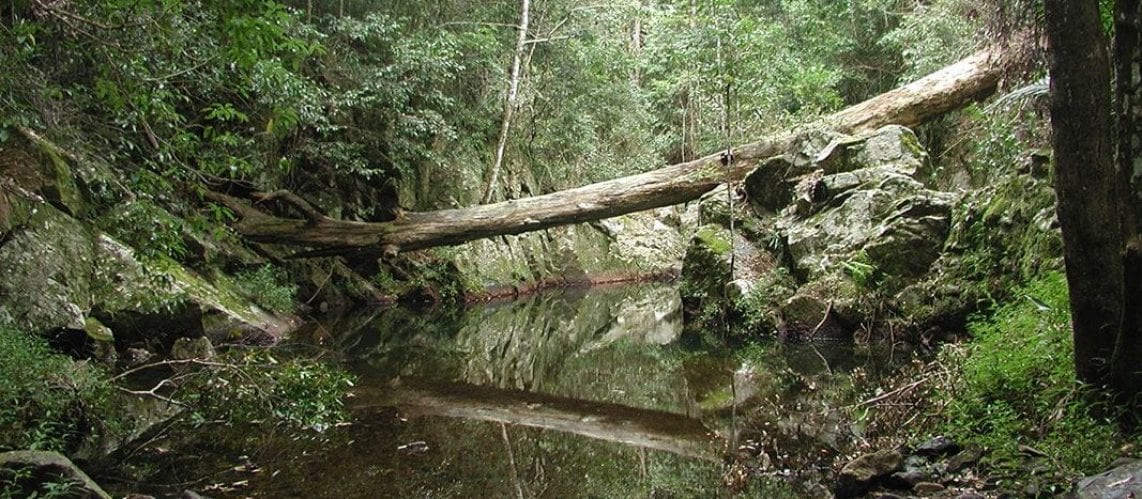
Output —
(950, 88)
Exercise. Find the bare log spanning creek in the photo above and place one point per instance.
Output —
(950, 88)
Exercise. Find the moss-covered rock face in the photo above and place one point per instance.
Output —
(38, 166)
(706, 268)
(877, 208)
(1001, 236)
(59, 272)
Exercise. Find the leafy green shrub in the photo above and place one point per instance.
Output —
(1018, 386)
(269, 287)
(254, 386)
(47, 401)
(151, 231)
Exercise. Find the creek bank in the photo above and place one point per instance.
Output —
(937, 468)
(942, 468)
(75, 276)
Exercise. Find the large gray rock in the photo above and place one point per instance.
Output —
(39, 467)
(877, 209)
(638, 244)
(1123, 482)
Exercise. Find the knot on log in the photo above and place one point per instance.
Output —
(390, 251)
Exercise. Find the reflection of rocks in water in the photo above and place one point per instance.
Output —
(654, 317)
(578, 343)
(540, 344)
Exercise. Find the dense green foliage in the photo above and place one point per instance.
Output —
(388, 95)
(1017, 388)
(47, 402)
(268, 286)
(254, 386)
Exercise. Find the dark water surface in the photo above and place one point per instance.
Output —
(570, 394)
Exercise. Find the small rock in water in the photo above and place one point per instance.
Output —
(927, 488)
(905, 480)
(939, 446)
(965, 458)
(192, 348)
(861, 473)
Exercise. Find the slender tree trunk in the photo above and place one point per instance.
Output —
(909, 105)
(492, 177)
(636, 45)
(1086, 182)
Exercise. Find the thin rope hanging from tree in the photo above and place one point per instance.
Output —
(727, 150)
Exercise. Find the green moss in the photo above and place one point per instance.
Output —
(1017, 387)
(63, 188)
(715, 240)
(912, 143)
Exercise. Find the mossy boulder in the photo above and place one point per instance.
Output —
(38, 166)
(839, 222)
(706, 267)
(25, 472)
(876, 209)
(59, 271)
(999, 236)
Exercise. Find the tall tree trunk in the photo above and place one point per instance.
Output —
(1125, 370)
(909, 105)
(1086, 181)
(492, 177)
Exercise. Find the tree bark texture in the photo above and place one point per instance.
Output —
(1125, 369)
(1086, 181)
(910, 105)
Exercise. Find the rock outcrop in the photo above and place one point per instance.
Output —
(836, 222)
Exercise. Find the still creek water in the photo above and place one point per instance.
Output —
(593, 393)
